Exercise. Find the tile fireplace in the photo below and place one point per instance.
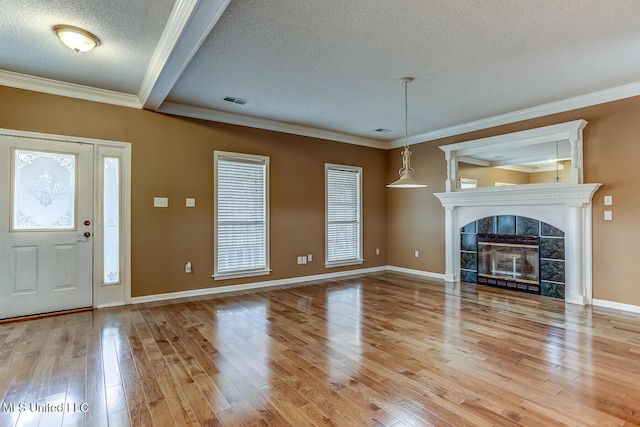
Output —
(514, 252)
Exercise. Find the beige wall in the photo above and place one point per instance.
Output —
(487, 177)
(418, 222)
(611, 151)
(550, 176)
(173, 157)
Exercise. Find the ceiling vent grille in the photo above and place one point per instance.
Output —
(235, 100)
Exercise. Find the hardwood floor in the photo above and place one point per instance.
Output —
(375, 350)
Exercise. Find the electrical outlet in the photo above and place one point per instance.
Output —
(190, 203)
(160, 202)
(608, 215)
(309, 257)
(417, 254)
(377, 251)
(608, 200)
(187, 267)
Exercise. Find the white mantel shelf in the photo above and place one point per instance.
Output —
(571, 195)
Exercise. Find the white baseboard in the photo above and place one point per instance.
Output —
(255, 285)
(616, 305)
(428, 274)
(326, 276)
(110, 304)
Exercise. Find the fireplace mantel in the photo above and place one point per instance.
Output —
(565, 205)
(576, 195)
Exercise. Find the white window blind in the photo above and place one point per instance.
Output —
(241, 223)
(344, 215)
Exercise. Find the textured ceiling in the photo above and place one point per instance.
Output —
(335, 66)
(128, 30)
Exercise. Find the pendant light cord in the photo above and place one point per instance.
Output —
(406, 115)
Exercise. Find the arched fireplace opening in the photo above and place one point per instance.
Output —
(514, 252)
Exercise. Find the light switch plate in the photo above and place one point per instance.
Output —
(160, 202)
(608, 200)
(608, 215)
(191, 203)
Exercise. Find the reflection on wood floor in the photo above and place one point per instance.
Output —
(376, 350)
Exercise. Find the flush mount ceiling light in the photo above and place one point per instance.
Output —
(75, 38)
(406, 172)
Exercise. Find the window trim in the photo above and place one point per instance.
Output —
(360, 258)
(468, 183)
(250, 158)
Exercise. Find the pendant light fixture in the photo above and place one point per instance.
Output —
(406, 172)
(76, 39)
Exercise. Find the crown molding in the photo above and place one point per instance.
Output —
(190, 23)
(266, 124)
(582, 101)
(70, 90)
(87, 93)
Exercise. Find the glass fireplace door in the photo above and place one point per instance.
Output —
(509, 264)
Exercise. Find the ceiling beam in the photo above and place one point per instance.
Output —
(188, 26)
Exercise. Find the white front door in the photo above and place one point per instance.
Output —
(46, 204)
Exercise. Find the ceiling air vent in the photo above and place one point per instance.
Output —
(235, 100)
(382, 130)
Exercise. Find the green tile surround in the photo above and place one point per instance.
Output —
(552, 249)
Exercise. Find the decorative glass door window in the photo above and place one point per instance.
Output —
(43, 190)
(111, 221)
